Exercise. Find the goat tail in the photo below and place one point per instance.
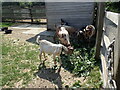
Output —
(38, 39)
(65, 48)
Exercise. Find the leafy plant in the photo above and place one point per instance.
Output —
(113, 6)
(94, 79)
(76, 85)
(80, 62)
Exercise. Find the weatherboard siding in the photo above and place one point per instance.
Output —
(77, 14)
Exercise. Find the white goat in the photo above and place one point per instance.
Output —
(50, 48)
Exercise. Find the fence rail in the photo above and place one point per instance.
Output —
(16, 13)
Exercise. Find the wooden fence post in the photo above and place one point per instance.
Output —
(117, 56)
(99, 27)
(30, 12)
(13, 19)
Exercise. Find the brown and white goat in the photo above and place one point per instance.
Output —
(89, 31)
(50, 48)
(64, 32)
(86, 33)
(63, 36)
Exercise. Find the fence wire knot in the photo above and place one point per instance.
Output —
(110, 62)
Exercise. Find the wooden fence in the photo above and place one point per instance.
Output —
(110, 31)
(17, 14)
(110, 65)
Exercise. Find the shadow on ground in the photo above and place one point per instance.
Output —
(33, 39)
(47, 35)
(50, 75)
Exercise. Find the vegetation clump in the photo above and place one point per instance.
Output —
(113, 6)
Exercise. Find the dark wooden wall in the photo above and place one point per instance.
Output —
(77, 14)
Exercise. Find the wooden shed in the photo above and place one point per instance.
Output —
(77, 14)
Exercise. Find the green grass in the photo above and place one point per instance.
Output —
(18, 62)
(6, 24)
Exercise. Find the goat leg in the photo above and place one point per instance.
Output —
(89, 43)
(59, 69)
(42, 64)
(40, 60)
(60, 65)
(40, 55)
(60, 61)
(54, 62)
(44, 57)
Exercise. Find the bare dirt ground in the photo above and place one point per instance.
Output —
(44, 78)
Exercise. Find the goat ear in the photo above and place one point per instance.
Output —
(81, 32)
(55, 26)
(62, 22)
(77, 33)
(84, 30)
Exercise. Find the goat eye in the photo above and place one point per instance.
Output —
(63, 35)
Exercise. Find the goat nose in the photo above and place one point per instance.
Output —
(69, 45)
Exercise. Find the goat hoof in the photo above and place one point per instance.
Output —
(39, 68)
(45, 59)
(55, 67)
(42, 65)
